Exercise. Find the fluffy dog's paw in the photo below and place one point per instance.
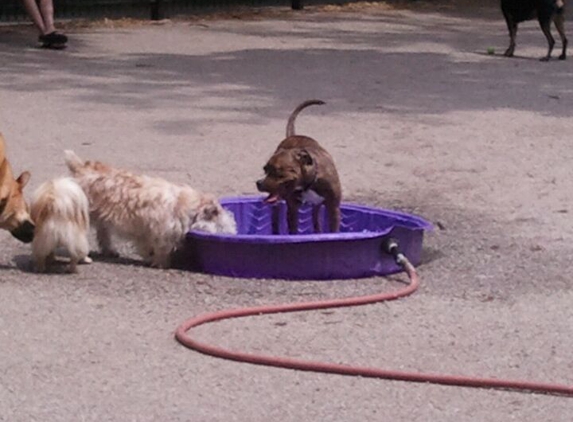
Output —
(159, 266)
(161, 261)
(40, 268)
(110, 253)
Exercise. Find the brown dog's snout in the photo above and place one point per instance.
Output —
(24, 232)
(261, 185)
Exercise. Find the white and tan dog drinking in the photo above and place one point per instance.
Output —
(151, 212)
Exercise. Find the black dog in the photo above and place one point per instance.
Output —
(516, 11)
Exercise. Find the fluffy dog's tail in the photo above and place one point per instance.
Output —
(292, 118)
(74, 163)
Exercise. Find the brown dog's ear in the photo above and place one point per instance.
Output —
(23, 179)
(304, 158)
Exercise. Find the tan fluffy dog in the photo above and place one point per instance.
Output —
(14, 215)
(152, 213)
(60, 210)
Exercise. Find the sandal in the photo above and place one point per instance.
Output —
(53, 40)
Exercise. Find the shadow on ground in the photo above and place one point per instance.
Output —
(395, 62)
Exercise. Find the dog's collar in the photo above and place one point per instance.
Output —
(301, 190)
(309, 185)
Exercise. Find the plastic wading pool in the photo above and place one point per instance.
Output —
(354, 252)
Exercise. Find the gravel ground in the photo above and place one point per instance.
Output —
(419, 118)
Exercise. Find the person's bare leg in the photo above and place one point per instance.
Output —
(32, 8)
(42, 14)
(47, 11)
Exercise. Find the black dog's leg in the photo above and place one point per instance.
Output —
(546, 28)
(512, 28)
(559, 20)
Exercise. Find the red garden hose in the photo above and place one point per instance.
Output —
(303, 365)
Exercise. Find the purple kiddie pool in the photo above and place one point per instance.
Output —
(354, 252)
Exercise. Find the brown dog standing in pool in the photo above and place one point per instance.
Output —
(301, 171)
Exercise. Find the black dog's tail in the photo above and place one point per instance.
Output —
(300, 107)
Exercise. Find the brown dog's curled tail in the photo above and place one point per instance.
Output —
(73, 162)
(296, 111)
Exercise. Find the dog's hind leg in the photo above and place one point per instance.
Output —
(144, 250)
(161, 257)
(545, 25)
(43, 247)
(51, 258)
(73, 266)
(78, 250)
(512, 28)
(40, 263)
(103, 235)
(559, 20)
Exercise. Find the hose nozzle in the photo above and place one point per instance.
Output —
(391, 247)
